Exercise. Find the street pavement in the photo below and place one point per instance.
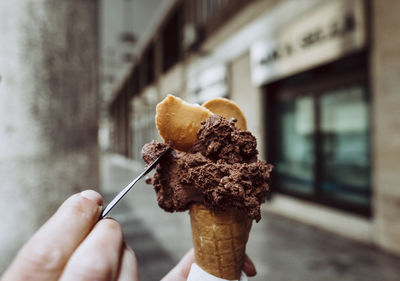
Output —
(282, 249)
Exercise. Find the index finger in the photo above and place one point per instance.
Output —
(181, 271)
(44, 256)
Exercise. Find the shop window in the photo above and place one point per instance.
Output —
(135, 81)
(345, 145)
(172, 39)
(319, 135)
(149, 63)
(294, 145)
(209, 15)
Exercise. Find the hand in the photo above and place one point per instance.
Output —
(181, 271)
(72, 245)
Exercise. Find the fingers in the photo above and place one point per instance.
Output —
(129, 268)
(248, 267)
(44, 256)
(181, 271)
(98, 257)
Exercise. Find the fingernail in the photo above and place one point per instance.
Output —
(249, 268)
(92, 196)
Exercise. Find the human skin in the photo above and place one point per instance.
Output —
(181, 271)
(74, 245)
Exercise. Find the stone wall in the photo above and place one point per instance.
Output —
(386, 117)
(48, 111)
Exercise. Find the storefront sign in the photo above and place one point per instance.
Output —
(326, 33)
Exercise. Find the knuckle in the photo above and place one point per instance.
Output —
(44, 257)
(94, 269)
(81, 207)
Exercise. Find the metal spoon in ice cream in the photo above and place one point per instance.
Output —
(132, 183)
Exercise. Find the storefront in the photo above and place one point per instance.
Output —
(318, 84)
(320, 135)
(314, 77)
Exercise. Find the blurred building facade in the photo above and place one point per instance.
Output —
(318, 83)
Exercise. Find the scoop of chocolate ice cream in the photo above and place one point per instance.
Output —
(221, 171)
(151, 151)
(219, 140)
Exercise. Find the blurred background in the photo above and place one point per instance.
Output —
(317, 81)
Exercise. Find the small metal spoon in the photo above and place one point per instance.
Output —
(131, 184)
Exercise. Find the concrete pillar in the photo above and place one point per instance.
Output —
(48, 111)
(385, 53)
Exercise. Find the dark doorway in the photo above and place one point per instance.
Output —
(319, 134)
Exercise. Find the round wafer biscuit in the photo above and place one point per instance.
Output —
(228, 109)
(178, 121)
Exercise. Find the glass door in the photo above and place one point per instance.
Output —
(345, 145)
(318, 136)
(294, 163)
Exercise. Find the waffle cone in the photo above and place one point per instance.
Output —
(219, 240)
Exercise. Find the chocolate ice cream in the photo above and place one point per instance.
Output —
(220, 171)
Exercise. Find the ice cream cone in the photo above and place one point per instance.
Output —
(219, 240)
